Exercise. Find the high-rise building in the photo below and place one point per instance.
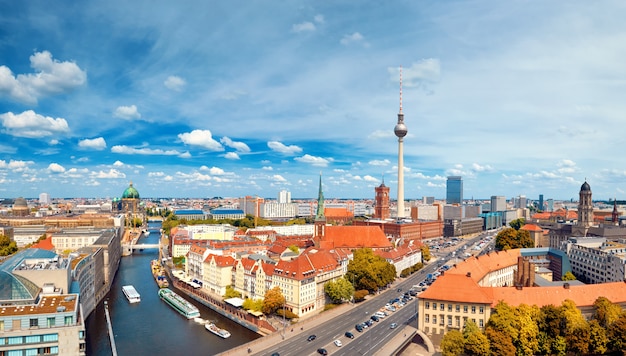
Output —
(284, 197)
(498, 203)
(540, 207)
(454, 190)
(400, 130)
(521, 202)
(44, 199)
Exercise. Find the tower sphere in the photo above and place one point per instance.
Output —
(400, 130)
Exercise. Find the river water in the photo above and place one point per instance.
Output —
(151, 327)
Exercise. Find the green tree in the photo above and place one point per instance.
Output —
(500, 343)
(273, 300)
(568, 276)
(452, 343)
(253, 304)
(369, 271)
(503, 319)
(294, 248)
(605, 312)
(340, 290)
(7, 247)
(578, 340)
(597, 338)
(510, 238)
(527, 341)
(360, 295)
(231, 293)
(425, 252)
(517, 223)
(617, 334)
(476, 343)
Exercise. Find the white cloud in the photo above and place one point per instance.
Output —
(312, 160)
(32, 125)
(384, 162)
(232, 156)
(352, 38)
(56, 168)
(144, 151)
(127, 112)
(281, 148)
(278, 178)
(239, 146)
(17, 166)
(369, 178)
(201, 138)
(50, 77)
(267, 168)
(480, 168)
(96, 143)
(112, 173)
(118, 164)
(175, 83)
(156, 174)
(302, 27)
(319, 18)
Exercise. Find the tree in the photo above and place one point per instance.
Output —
(253, 304)
(510, 238)
(360, 295)
(425, 252)
(7, 247)
(527, 342)
(452, 343)
(597, 338)
(370, 271)
(605, 312)
(617, 334)
(500, 343)
(340, 290)
(568, 276)
(231, 293)
(517, 223)
(273, 300)
(578, 340)
(476, 343)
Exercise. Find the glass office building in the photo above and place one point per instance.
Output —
(454, 190)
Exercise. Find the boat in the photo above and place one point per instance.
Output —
(131, 294)
(159, 274)
(223, 333)
(179, 303)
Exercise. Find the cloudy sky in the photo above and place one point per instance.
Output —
(233, 98)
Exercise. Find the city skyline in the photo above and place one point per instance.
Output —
(211, 100)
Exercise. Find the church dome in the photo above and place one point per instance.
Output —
(20, 203)
(585, 187)
(130, 193)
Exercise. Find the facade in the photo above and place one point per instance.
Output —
(44, 199)
(381, 205)
(461, 227)
(498, 203)
(284, 197)
(190, 214)
(585, 211)
(596, 260)
(454, 190)
(416, 230)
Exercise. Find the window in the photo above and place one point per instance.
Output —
(473, 309)
(51, 322)
(465, 309)
(69, 320)
(449, 320)
(481, 310)
(32, 339)
(15, 340)
(81, 334)
(51, 337)
(458, 322)
(34, 323)
(427, 318)
(458, 308)
(481, 322)
(434, 319)
(434, 306)
(426, 305)
(449, 307)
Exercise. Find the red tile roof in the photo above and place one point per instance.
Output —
(45, 244)
(355, 237)
(531, 227)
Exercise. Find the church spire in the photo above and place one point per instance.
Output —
(320, 202)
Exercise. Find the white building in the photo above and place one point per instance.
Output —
(44, 199)
(284, 197)
(598, 260)
(498, 203)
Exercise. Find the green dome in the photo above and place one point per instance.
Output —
(130, 193)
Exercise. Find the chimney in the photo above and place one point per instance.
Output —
(469, 274)
(566, 285)
(519, 287)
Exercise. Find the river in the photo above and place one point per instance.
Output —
(151, 327)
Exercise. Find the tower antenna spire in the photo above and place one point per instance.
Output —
(400, 89)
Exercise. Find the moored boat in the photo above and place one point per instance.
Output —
(131, 294)
(159, 274)
(223, 333)
(179, 303)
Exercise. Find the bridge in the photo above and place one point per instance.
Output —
(128, 248)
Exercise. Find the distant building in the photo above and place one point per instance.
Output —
(540, 205)
(454, 190)
(44, 199)
(284, 197)
(428, 200)
(498, 203)
(381, 205)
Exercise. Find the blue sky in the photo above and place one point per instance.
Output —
(233, 98)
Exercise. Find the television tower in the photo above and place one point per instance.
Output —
(400, 131)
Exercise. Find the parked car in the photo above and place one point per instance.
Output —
(369, 322)
(375, 318)
(358, 327)
(349, 335)
(338, 343)
(311, 338)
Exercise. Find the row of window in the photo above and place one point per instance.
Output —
(53, 350)
(30, 339)
(457, 307)
(427, 319)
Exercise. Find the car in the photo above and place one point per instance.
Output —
(369, 322)
(322, 351)
(275, 354)
(374, 318)
(358, 327)
(393, 326)
(349, 335)
(338, 343)
(399, 289)
(311, 338)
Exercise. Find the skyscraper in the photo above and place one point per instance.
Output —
(498, 203)
(540, 207)
(400, 131)
(454, 190)
(284, 197)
